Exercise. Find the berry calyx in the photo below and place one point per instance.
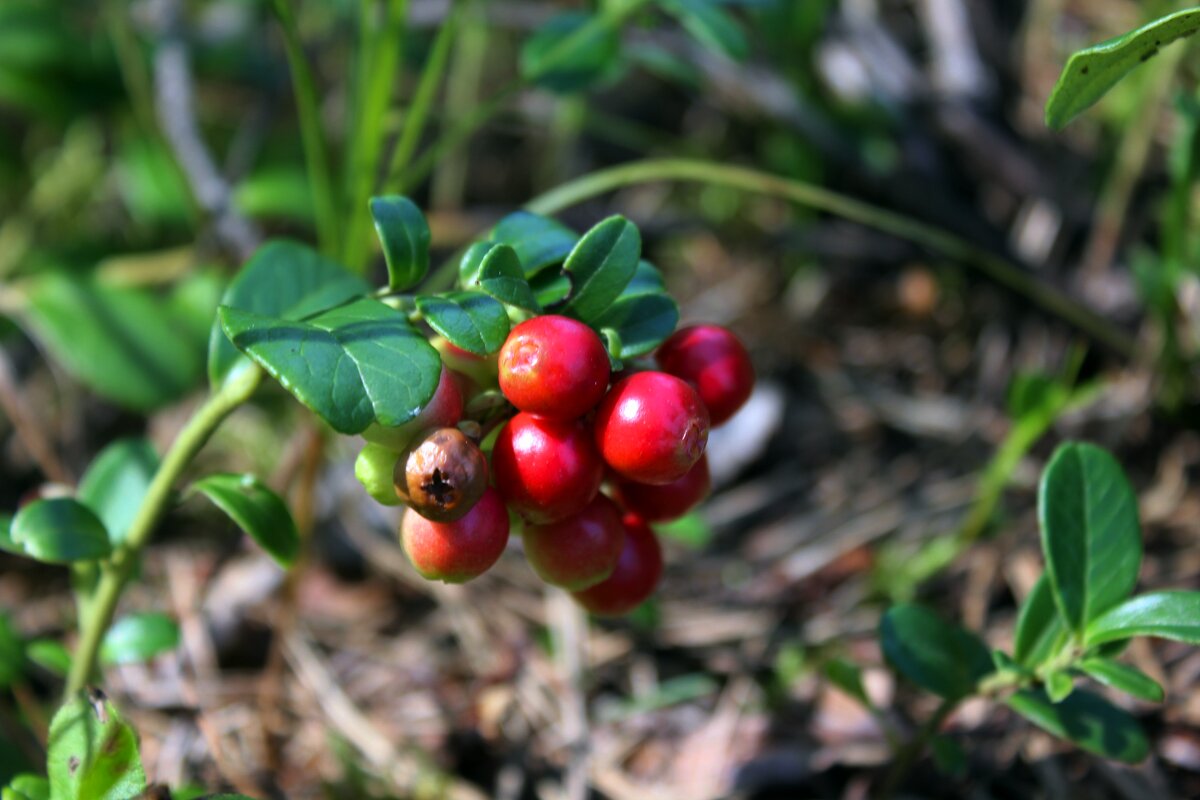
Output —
(579, 551)
(457, 551)
(668, 501)
(713, 360)
(635, 577)
(547, 469)
(553, 366)
(444, 410)
(651, 428)
(442, 475)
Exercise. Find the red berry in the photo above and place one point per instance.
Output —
(652, 428)
(635, 577)
(713, 360)
(547, 469)
(668, 501)
(457, 551)
(579, 551)
(444, 410)
(553, 366)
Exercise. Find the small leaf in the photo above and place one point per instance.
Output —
(1123, 677)
(472, 262)
(943, 658)
(1167, 615)
(116, 482)
(1040, 630)
(1005, 663)
(59, 531)
(359, 363)
(1090, 73)
(601, 266)
(846, 676)
(472, 321)
(710, 25)
(501, 276)
(29, 787)
(139, 637)
(582, 64)
(1059, 686)
(257, 510)
(50, 655)
(647, 279)
(404, 234)
(550, 288)
(539, 241)
(1086, 719)
(12, 653)
(92, 753)
(1090, 532)
(642, 320)
(6, 542)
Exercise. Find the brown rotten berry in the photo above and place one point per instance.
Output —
(454, 552)
(442, 475)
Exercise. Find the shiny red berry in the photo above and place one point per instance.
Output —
(457, 551)
(668, 501)
(579, 551)
(635, 577)
(651, 428)
(553, 366)
(547, 469)
(713, 360)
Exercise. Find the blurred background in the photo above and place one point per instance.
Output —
(908, 397)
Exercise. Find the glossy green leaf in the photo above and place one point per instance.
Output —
(12, 653)
(710, 25)
(284, 280)
(1091, 537)
(49, 654)
(646, 279)
(539, 241)
(1123, 678)
(121, 342)
(1090, 721)
(60, 531)
(582, 64)
(1167, 615)
(472, 260)
(1090, 73)
(550, 288)
(1040, 631)
(374, 469)
(404, 234)
(472, 321)
(139, 637)
(600, 266)
(932, 653)
(29, 787)
(1059, 686)
(93, 754)
(257, 510)
(116, 482)
(643, 322)
(355, 364)
(501, 276)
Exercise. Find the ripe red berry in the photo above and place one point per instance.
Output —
(442, 475)
(635, 577)
(457, 551)
(668, 501)
(547, 469)
(652, 428)
(444, 410)
(553, 366)
(579, 551)
(713, 360)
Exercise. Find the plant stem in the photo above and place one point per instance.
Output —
(236, 389)
(912, 751)
(993, 266)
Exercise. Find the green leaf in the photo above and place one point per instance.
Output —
(943, 658)
(50, 655)
(1090, 73)
(122, 343)
(60, 531)
(1090, 721)
(404, 234)
(472, 321)
(710, 25)
(116, 482)
(1040, 630)
(93, 754)
(846, 676)
(12, 653)
(6, 542)
(642, 320)
(472, 261)
(647, 279)
(1005, 663)
(281, 192)
(257, 510)
(285, 280)
(139, 637)
(359, 363)
(1122, 677)
(501, 276)
(600, 267)
(585, 63)
(1167, 615)
(30, 787)
(374, 469)
(550, 288)
(1059, 686)
(539, 241)
(1090, 533)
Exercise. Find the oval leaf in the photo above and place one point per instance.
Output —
(501, 276)
(1091, 537)
(116, 482)
(550, 288)
(50, 655)
(472, 321)
(1167, 615)
(29, 787)
(92, 753)
(139, 637)
(643, 321)
(1059, 686)
(1086, 719)
(60, 531)
(647, 279)
(601, 266)
(1092, 72)
(943, 658)
(404, 234)
(560, 59)
(539, 241)
(1123, 677)
(1040, 630)
(257, 510)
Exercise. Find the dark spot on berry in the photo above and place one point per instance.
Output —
(440, 489)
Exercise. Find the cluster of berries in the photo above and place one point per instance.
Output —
(639, 435)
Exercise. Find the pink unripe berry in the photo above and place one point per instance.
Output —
(579, 551)
(457, 551)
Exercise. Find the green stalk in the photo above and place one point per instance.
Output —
(311, 135)
(462, 92)
(98, 612)
(955, 248)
